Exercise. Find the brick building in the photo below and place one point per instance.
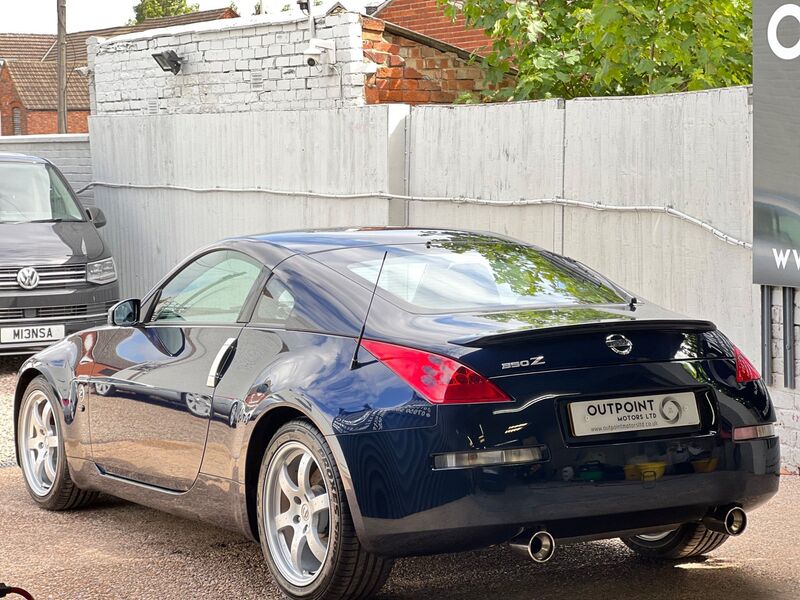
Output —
(428, 18)
(28, 99)
(28, 77)
(413, 68)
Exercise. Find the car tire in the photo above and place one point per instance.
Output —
(288, 508)
(50, 484)
(688, 541)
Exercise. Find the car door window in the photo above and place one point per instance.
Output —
(211, 289)
(275, 304)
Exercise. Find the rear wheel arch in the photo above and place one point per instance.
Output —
(23, 382)
(265, 429)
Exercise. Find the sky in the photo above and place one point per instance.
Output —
(39, 16)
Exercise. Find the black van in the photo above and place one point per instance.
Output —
(57, 276)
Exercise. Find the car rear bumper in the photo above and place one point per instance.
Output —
(409, 511)
(76, 309)
(599, 485)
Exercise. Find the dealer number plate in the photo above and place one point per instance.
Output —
(20, 335)
(620, 415)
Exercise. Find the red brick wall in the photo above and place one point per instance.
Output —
(9, 100)
(427, 17)
(414, 73)
(34, 121)
(46, 121)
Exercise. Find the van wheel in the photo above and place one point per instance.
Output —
(305, 527)
(687, 541)
(40, 443)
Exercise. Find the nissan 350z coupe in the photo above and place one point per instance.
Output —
(349, 397)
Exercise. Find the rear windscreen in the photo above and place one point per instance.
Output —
(466, 276)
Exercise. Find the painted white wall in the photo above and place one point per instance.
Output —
(248, 64)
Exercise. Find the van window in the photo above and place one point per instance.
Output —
(35, 192)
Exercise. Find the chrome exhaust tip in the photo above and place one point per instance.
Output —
(541, 547)
(730, 520)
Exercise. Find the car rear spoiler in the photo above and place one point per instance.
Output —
(612, 326)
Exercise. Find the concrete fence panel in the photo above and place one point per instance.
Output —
(692, 152)
(499, 152)
(188, 180)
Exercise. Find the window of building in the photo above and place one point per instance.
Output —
(16, 121)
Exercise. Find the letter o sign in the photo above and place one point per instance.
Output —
(781, 51)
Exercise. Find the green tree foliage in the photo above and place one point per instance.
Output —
(153, 9)
(572, 48)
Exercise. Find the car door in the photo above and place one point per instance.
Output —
(151, 400)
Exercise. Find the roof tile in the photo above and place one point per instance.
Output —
(37, 86)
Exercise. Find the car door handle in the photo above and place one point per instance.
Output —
(213, 373)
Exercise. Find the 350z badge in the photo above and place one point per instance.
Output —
(533, 361)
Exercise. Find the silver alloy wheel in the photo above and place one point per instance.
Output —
(654, 537)
(296, 513)
(104, 389)
(39, 442)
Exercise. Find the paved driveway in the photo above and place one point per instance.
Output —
(118, 550)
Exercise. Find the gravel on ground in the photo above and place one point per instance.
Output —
(8, 377)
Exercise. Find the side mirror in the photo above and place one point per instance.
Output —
(96, 216)
(125, 313)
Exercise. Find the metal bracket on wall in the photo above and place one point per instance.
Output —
(788, 338)
(766, 333)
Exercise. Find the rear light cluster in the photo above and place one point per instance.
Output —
(488, 458)
(745, 371)
(753, 432)
(438, 379)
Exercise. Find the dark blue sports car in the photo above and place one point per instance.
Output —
(348, 397)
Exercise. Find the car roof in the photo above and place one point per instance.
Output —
(321, 240)
(26, 158)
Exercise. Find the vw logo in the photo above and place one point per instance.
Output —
(28, 278)
(619, 344)
(670, 410)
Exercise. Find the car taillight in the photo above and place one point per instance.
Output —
(438, 379)
(745, 371)
(753, 432)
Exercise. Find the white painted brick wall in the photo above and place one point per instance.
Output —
(786, 401)
(220, 59)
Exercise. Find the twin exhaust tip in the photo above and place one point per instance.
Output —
(730, 520)
(539, 548)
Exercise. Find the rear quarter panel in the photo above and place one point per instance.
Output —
(65, 366)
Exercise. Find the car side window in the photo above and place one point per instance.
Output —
(211, 289)
(275, 304)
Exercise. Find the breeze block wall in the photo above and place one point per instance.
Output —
(233, 65)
